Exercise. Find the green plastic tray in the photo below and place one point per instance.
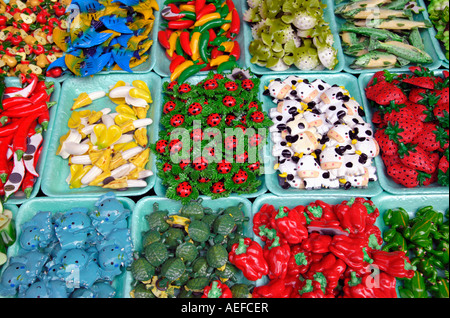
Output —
(328, 17)
(19, 197)
(160, 189)
(350, 82)
(427, 41)
(162, 67)
(57, 169)
(438, 46)
(54, 205)
(386, 181)
(145, 207)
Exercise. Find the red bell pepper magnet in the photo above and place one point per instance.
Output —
(276, 288)
(247, 255)
(352, 216)
(276, 254)
(291, 225)
(380, 285)
(394, 263)
(217, 290)
(351, 250)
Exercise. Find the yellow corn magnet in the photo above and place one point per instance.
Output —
(179, 69)
(124, 110)
(120, 100)
(126, 127)
(140, 84)
(141, 159)
(141, 93)
(116, 161)
(98, 180)
(82, 100)
(94, 154)
(124, 146)
(106, 136)
(77, 172)
(61, 142)
(206, 18)
(219, 60)
(134, 174)
(141, 112)
(104, 160)
(95, 117)
(140, 135)
(117, 184)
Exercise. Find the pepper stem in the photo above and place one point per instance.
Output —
(3, 120)
(28, 191)
(354, 280)
(242, 248)
(3, 177)
(281, 213)
(19, 154)
(215, 291)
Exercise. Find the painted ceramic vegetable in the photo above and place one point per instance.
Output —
(24, 117)
(200, 37)
(382, 34)
(439, 14)
(340, 256)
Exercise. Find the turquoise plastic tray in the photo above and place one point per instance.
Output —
(411, 203)
(57, 169)
(292, 202)
(328, 17)
(386, 181)
(145, 207)
(160, 189)
(19, 197)
(427, 41)
(351, 84)
(439, 48)
(162, 67)
(54, 205)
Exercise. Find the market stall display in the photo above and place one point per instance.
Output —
(138, 139)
